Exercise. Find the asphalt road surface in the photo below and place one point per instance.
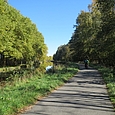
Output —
(84, 94)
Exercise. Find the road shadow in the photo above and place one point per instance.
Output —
(84, 94)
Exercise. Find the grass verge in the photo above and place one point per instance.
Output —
(13, 98)
(109, 78)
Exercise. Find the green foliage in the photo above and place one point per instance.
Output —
(94, 35)
(62, 53)
(15, 97)
(19, 37)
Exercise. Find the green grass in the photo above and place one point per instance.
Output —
(109, 79)
(15, 97)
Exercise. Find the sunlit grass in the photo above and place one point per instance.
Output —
(15, 97)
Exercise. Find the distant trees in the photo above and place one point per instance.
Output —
(62, 53)
(20, 41)
(94, 34)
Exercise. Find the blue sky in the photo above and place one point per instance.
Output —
(53, 18)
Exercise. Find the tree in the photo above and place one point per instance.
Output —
(106, 33)
(19, 37)
(62, 53)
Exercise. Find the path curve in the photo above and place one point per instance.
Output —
(84, 94)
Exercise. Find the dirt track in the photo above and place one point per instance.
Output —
(84, 94)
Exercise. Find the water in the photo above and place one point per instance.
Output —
(48, 67)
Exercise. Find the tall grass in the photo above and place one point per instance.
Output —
(16, 96)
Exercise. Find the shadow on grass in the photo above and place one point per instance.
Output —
(14, 75)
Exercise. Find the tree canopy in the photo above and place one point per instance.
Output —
(94, 34)
(19, 37)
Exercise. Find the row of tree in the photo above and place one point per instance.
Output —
(20, 41)
(94, 35)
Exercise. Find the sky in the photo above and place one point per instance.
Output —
(53, 18)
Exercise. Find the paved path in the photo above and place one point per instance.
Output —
(84, 94)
